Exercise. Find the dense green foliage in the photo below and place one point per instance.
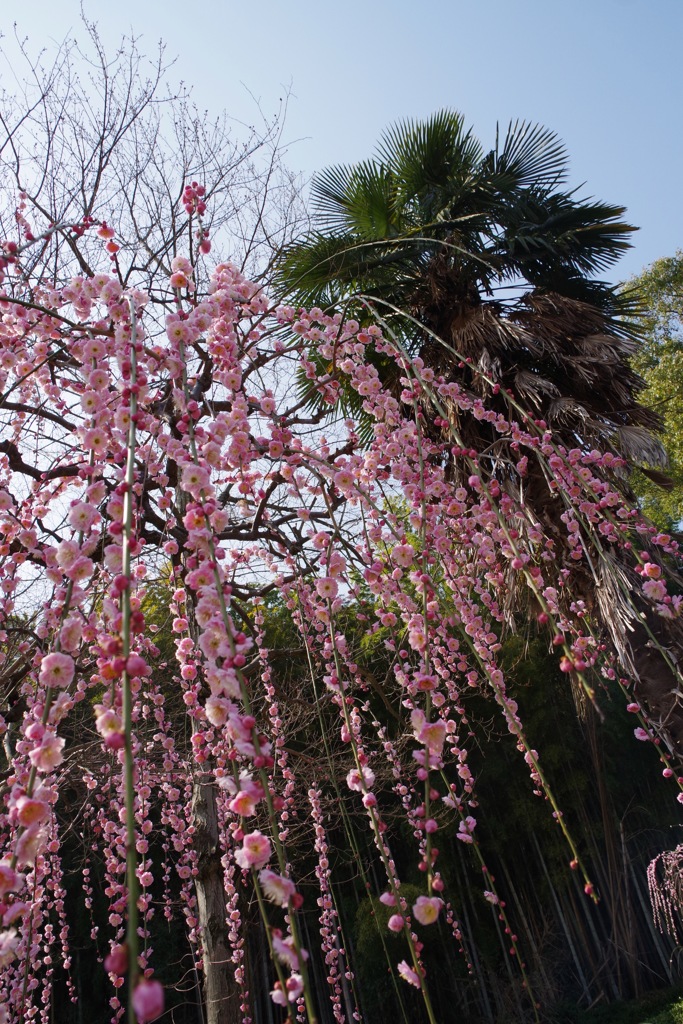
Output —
(660, 361)
(664, 1007)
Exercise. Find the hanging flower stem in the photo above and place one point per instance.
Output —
(127, 696)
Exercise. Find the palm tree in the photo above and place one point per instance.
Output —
(484, 263)
(481, 256)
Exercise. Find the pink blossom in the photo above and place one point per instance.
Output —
(344, 480)
(137, 666)
(403, 555)
(82, 516)
(327, 588)
(181, 265)
(247, 784)
(98, 380)
(255, 852)
(360, 780)
(217, 710)
(9, 941)
(57, 670)
(10, 880)
(409, 975)
(90, 402)
(285, 950)
(243, 804)
(107, 722)
(417, 638)
(195, 479)
(294, 986)
(116, 962)
(81, 570)
(113, 557)
(465, 828)
(214, 643)
(68, 552)
(223, 683)
(654, 589)
(148, 1001)
(31, 811)
(395, 923)
(278, 996)
(240, 732)
(29, 845)
(70, 634)
(17, 910)
(277, 889)
(48, 755)
(431, 734)
(427, 908)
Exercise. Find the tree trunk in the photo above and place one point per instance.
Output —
(222, 996)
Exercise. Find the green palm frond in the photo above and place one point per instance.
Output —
(531, 157)
(315, 261)
(430, 159)
(547, 233)
(323, 270)
(361, 200)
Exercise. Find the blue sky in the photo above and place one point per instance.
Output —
(606, 75)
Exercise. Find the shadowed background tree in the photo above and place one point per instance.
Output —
(660, 362)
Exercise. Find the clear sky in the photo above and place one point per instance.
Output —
(606, 75)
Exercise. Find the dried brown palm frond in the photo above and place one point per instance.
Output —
(660, 479)
(639, 445)
(611, 587)
(566, 410)
(533, 387)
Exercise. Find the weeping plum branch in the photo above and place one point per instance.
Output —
(243, 505)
